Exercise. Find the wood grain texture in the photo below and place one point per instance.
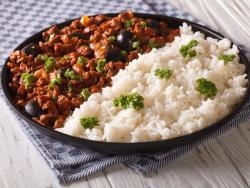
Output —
(222, 162)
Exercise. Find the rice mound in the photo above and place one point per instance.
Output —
(171, 107)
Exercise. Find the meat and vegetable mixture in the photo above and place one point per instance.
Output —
(52, 78)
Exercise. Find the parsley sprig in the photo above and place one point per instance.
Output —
(71, 75)
(226, 57)
(81, 60)
(186, 50)
(85, 93)
(49, 64)
(100, 63)
(42, 57)
(27, 79)
(163, 73)
(206, 87)
(56, 81)
(89, 122)
(128, 23)
(132, 100)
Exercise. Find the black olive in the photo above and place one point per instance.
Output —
(79, 35)
(153, 24)
(33, 109)
(124, 40)
(115, 55)
(31, 49)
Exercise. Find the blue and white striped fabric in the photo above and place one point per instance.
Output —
(21, 18)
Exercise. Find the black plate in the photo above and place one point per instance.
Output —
(129, 147)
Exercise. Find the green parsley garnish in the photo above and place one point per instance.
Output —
(66, 57)
(100, 64)
(143, 24)
(187, 51)
(191, 53)
(27, 79)
(136, 44)
(49, 64)
(89, 122)
(49, 61)
(42, 57)
(85, 93)
(52, 36)
(206, 87)
(226, 58)
(71, 75)
(153, 44)
(123, 52)
(81, 60)
(128, 23)
(163, 73)
(112, 38)
(56, 81)
(70, 88)
(132, 100)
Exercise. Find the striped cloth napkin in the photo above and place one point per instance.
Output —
(20, 19)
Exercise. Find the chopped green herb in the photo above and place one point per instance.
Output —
(128, 23)
(27, 79)
(100, 64)
(49, 64)
(52, 36)
(132, 100)
(70, 88)
(49, 61)
(163, 73)
(191, 53)
(123, 52)
(85, 93)
(206, 87)
(136, 44)
(153, 44)
(81, 60)
(71, 75)
(66, 57)
(89, 122)
(42, 57)
(56, 81)
(112, 38)
(143, 24)
(121, 101)
(226, 58)
(187, 51)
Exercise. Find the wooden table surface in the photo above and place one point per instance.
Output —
(222, 162)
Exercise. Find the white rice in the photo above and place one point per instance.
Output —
(171, 107)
